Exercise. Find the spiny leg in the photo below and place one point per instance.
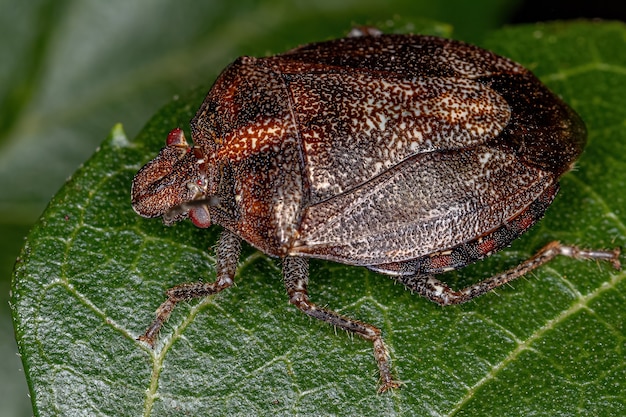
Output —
(437, 291)
(228, 250)
(296, 278)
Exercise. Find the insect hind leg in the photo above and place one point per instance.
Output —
(430, 287)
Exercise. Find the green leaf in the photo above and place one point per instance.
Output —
(92, 274)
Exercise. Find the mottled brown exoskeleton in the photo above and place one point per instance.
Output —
(409, 155)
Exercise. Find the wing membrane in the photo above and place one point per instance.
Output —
(425, 204)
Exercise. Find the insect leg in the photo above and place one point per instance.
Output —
(296, 277)
(228, 249)
(437, 291)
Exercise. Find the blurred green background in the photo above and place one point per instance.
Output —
(70, 70)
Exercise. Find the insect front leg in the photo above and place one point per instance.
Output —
(228, 250)
(296, 278)
(442, 294)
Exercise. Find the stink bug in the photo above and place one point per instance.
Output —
(409, 155)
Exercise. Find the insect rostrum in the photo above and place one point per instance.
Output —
(409, 155)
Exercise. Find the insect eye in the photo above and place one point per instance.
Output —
(176, 137)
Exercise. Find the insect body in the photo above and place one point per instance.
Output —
(409, 155)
